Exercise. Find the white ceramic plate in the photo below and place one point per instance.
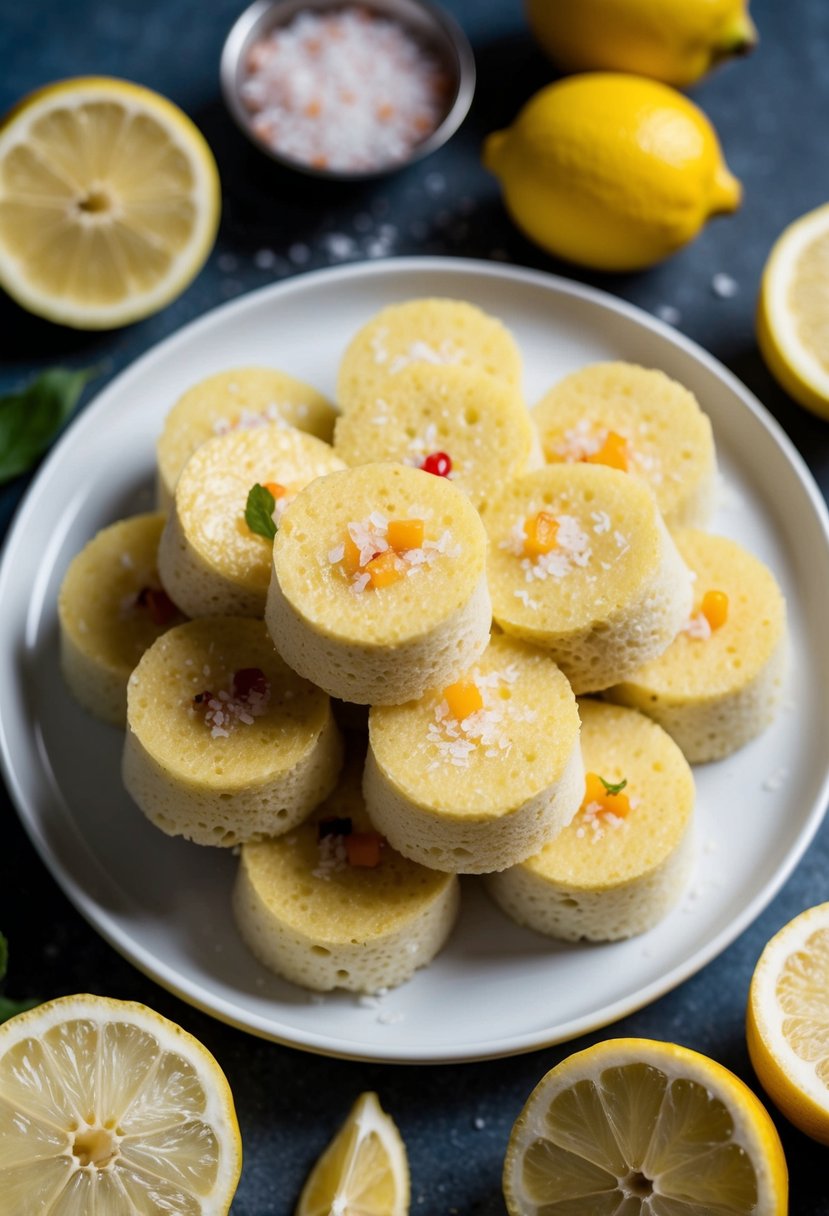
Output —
(495, 989)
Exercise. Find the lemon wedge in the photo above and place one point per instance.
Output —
(363, 1172)
(109, 202)
(108, 1108)
(643, 1128)
(787, 1022)
(793, 310)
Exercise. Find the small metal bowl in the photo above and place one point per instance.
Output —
(432, 27)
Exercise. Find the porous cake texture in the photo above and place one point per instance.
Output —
(224, 742)
(241, 398)
(480, 424)
(384, 644)
(110, 611)
(609, 876)
(210, 561)
(666, 439)
(479, 793)
(714, 690)
(430, 331)
(610, 592)
(311, 916)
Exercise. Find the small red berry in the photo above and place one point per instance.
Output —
(250, 680)
(438, 463)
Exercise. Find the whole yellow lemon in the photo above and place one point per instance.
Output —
(611, 171)
(676, 41)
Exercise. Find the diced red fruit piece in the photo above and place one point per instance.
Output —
(202, 698)
(439, 463)
(250, 680)
(363, 849)
(158, 603)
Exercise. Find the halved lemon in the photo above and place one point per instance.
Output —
(793, 310)
(635, 1126)
(107, 1108)
(363, 1172)
(787, 1021)
(109, 202)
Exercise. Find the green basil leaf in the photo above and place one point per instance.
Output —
(614, 789)
(30, 419)
(10, 1008)
(4, 956)
(259, 512)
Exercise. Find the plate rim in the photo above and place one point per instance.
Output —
(325, 1044)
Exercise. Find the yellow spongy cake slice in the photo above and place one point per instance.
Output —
(379, 644)
(242, 398)
(431, 331)
(210, 561)
(314, 918)
(479, 422)
(111, 608)
(608, 876)
(667, 438)
(218, 762)
(479, 793)
(610, 593)
(713, 690)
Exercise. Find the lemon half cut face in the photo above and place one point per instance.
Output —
(107, 1108)
(109, 202)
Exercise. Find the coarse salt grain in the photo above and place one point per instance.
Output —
(345, 90)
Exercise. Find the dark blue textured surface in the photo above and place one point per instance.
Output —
(771, 112)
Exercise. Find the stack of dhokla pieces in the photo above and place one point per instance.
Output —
(464, 569)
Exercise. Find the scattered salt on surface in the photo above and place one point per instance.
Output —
(724, 286)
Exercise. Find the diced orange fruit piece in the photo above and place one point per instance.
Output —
(363, 849)
(382, 570)
(351, 556)
(714, 608)
(463, 698)
(613, 452)
(596, 792)
(540, 534)
(275, 489)
(405, 534)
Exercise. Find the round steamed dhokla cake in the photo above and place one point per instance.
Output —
(111, 607)
(719, 683)
(224, 742)
(581, 564)
(332, 905)
(639, 420)
(379, 584)
(211, 562)
(476, 776)
(624, 859)
(477, 427)
(240, 399)
(432, 331)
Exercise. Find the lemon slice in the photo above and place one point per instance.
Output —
(363, 1172)
(793, 311)
(634, 1127)
(788, 1021)
(108, 1109)
(109, 202)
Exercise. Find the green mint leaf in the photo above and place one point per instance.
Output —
(4, 956)
(614, 789)
(259, 510)
(30, 418)
(10, 1008)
